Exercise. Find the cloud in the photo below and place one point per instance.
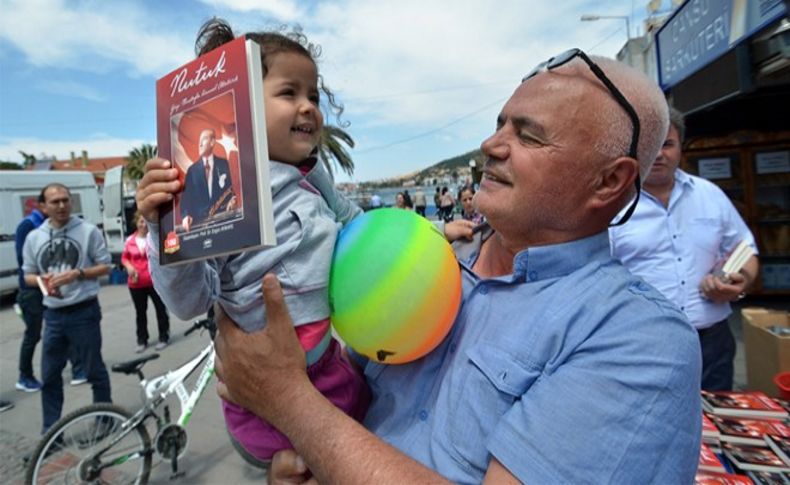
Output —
(91, 36)
(284, 10)
(97, 146)
(70, 88)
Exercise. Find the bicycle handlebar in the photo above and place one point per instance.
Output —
(207, 323)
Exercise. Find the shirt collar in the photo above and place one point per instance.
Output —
(555, 260)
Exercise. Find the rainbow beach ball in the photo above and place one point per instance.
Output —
(394, 286)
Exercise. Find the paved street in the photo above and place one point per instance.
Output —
(209, 459)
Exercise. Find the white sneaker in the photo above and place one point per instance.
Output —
(161, 345)
(140, 348)
(76, 381)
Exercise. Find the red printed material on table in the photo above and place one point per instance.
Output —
(746, 404)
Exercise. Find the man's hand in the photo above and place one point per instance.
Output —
(232, 204)
(715, 290)
(461, 228)
(59, 279)
(261, 371)
(289, 468)
(186, 223)
(158, 185)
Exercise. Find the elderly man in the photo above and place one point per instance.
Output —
(561, 367)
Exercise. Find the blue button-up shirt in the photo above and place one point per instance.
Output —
(569, 370)
(674, 247)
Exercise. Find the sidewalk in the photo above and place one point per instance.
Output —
(209, 458)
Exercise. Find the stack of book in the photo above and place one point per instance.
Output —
(752, 431)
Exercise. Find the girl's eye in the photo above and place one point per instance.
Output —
(315, 99)
(287, 92)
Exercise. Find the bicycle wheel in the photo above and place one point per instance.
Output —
(68, 452)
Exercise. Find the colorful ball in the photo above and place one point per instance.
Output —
(394, 286)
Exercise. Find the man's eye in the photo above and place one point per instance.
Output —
(528, 138)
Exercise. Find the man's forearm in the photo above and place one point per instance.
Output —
(338, 449)
(93, 272)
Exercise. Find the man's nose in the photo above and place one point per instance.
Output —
(495, 147)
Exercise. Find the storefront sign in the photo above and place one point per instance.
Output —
(773, 162)
(715, 168)
(700, 31)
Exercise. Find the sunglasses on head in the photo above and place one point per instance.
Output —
(568, 56)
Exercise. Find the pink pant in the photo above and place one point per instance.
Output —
(332, 375)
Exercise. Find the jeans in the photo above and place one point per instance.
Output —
(718, 353)
(79, 329)
(30, 302)
(140, 298)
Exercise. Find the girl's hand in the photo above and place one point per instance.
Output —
(158, 185)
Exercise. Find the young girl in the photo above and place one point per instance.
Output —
(306, 230)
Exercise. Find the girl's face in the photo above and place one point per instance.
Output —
(466, 201)
(293, 119)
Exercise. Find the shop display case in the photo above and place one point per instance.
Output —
(753, 169)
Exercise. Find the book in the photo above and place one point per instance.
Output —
(211, 125)
(734, 262)
(46, 289)
(753, 458)
(747, 404)
(710, 433)
(749, 431)
(780, 445)
(708, 461)
(768, 478)
(709, 478)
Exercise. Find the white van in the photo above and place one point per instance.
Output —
(19, 191)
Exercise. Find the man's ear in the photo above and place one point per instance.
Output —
(615, 180)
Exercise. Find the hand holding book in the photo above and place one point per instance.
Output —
(734, 262)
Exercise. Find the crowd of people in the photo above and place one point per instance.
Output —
(588, 301)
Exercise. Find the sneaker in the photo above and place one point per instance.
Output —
(78, 380)
(6, 405)
(161, 345)
(28, 384)
(140, 348)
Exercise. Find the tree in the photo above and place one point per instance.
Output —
(331, 149)
(137, 158)
(30, 159)
(4, 165)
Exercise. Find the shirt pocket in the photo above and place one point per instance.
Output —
(493, 381)
(311, 243)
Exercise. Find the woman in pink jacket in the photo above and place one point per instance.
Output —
(135, 260)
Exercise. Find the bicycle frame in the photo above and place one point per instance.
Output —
(159, 388)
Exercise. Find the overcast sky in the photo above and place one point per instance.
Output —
(421, 80)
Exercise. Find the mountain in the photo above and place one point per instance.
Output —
(454, 168)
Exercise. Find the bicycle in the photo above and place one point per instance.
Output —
(105, 443)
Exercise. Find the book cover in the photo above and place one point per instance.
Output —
(780, 444)
(749, 431)
(710, 478)
(753, 458)
(211, 125)
(46, 289)
(767, 478)
(734, 262)
(708, 461)
(747, 404)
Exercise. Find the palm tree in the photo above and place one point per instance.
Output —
(331, 149)
(30, 160)
(137, 158)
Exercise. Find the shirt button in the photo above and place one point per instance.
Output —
(423, 415)
(682, 282)
(680, 259)
(675, 236)
(682, 308)
(483, 290)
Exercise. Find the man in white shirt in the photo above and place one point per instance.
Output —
(682, 228)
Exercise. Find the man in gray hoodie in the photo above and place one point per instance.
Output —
(65, 256)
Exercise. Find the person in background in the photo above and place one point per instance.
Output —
(682, 226)
(447, 202)
(420, 203)
(135, 259)
(468, 211)
(69, 255)
(407, 202)
(561, 366)
(29, 299)
(437, 202)
(375, 201)
(400, 201)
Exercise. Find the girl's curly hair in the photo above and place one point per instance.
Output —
(216, 32)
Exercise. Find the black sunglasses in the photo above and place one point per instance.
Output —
(566, 57)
